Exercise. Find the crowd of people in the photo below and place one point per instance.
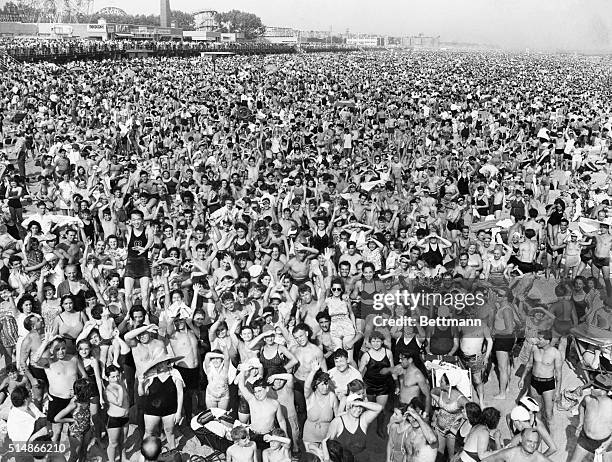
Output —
(338, 250)
(25, 48)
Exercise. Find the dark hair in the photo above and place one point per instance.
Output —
(473, 413)
(320, 377)
(19, 396)
(135, 309)
(305, 327)
(354, 386)
(377, 334)
(24, 299)
(260, 383)
(112, 368)
(490, 417)
(322, 315)
(83, 390)
(340, 353)
(137, 212)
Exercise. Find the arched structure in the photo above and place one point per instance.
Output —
(112, 10)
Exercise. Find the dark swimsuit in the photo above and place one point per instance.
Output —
(542, 385)
(589, 444)
(355, 443)
(274, 365)
(161, 400)
(377, 384)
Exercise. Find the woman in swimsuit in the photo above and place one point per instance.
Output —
(342, 327)
(476, 446)
(397, 428)
(365, 290)
(77, 415)
(350, 429)
(94, 375)
(274, 357)
(216, 366)
(163, 387)
(376, 366)
(474, 259)
(504, 342)
(579, 297)
(69, 324)
(321, 405)
(448, 416)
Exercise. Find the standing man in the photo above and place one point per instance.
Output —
(35, 326)
(471, 346)
(140, 239)
(411, 383)
(145, 348)
(595, 426)
(62, 371)
(264, 410)
(601, 253)
(306, 353)
(545, 364)
(184, 342)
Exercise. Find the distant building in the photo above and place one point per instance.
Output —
(280, 35)
(421, 41)
(206, 20)
(315, 34)
(366, 42)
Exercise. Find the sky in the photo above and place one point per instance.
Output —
(536, 24)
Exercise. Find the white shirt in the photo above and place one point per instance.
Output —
(20, 424)
(342, 379)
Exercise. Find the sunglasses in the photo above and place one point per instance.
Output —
(336, 289)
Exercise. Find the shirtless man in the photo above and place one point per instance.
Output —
(464, 270)
(263, 410)
(323, 337)
(144, 349)
(30, 345)
(420, 441)
(298, 267)
(411, 383)
(183, 342)
(601, 253)
(527, 451)
(565, 315)
(309, 307)
(305, 352)
(471, 345)
(527, 251)
(594, 427)
(62, 371)
(545, 365)
(281, 390)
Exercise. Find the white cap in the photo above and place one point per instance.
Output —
(520, 414)
(255, 270)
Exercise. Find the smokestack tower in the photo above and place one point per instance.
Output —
(164, 15)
